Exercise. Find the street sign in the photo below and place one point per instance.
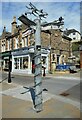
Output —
(26, 21)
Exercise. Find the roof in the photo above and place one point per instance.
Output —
(23, 28)
(12, 35)
(67, 32)
(66, 37)
(52, 23)
(4, 35)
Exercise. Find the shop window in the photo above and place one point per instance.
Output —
(25, 62)
(6, 63)
(21, 63)
(16, 63)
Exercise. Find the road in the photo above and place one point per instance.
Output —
(54, 85)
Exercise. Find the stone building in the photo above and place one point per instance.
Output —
(60, 46)
(19, 44)
(3, 42)
(76, 38)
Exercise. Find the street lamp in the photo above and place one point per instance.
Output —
(9, 74)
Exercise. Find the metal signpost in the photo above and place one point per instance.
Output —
(39, 14)
(38, 69)
(37, 54)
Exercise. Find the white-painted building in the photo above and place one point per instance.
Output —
(73, 34)
(52, 25)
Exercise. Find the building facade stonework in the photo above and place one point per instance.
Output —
(56, 48)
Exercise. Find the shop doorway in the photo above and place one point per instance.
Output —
(33, 66)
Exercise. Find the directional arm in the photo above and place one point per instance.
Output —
(36, 12)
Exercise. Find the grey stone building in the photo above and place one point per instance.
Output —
(56, 48)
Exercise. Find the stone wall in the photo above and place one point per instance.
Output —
(59, 45)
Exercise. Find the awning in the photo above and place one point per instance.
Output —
(5, 54)
(6, 57)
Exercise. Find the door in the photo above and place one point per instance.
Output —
(33, 66)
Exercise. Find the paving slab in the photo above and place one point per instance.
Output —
(6, 86)
(17, 108)
(17, 105)
(16, 92)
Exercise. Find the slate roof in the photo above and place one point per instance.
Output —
(4, 35)
(67, 32)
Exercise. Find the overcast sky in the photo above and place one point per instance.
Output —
(70, 11)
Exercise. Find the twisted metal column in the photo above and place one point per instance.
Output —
(38, 69)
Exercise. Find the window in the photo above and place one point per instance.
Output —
(74, 38)
(16, 63)
(25, 62)
(21, 63)
(27, 41)
(73, 33)
(53, 57)
(9, 44)
(16, 42)
(6, 63)
(58, 59)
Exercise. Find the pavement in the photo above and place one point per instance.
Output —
(17, 105)
(58, 75)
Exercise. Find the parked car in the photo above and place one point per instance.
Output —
(72, 68)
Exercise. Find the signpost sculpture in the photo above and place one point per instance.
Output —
(39, 14)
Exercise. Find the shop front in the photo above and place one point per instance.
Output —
(4, 56)
(23, 60)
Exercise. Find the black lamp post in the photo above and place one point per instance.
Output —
(9, 74)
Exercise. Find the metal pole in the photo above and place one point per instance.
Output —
(38, 68)
(9, 74)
